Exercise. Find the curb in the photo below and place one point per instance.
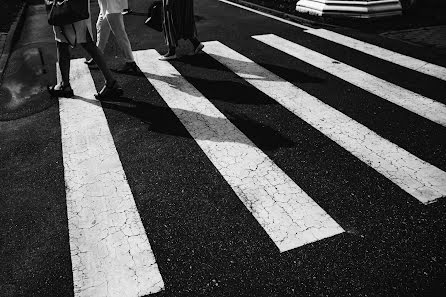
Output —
(12, 36)
(283, 15)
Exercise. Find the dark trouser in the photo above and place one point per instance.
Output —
(63, 57)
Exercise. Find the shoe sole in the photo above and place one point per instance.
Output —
(117, 94)
(163, 58)
(59, 93)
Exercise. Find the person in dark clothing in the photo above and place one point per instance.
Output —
(179, 23)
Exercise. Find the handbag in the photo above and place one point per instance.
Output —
(65, 12)
(155, 16)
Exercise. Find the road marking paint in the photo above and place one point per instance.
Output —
(416, 103)
(266, 15)
(382, 53)
(418, 178)
(373, 50)
(289, 216)
(110, 252)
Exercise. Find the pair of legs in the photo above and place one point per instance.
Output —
(114, 23)
(63, 88)
(172, 47)
(179, 23)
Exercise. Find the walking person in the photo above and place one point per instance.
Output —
(111, 20)
(72, 34)
(179, 23)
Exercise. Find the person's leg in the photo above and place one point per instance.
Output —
(195, 42)
(62, 88)
(171, 51)
(198, 46)
(117, 26)
(102, 32)
(111, 88)
(169, 32)
(63, 58)
(191, 30)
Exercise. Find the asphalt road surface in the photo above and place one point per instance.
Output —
(283, 160)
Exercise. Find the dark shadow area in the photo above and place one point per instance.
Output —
(163, 120)
(9, 10)
(23, 91)
(217, 63)
(197, 18)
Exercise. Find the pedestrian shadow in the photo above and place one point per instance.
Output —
(162, 119)
(220, 83)
(250, 69)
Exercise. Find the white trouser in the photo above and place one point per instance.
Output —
(113, 22)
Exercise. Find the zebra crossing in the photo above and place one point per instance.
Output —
(284, 210)
(341, 129)
(110, 250)
(425, 107)
(382, 53)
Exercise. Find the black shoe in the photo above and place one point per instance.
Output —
(90, 62)
(110, 92)
(128, 68)
(65, 91)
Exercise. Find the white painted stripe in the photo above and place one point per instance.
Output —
(423, 106)
(110, 252)
(382, 53)
(417, 177)
(289, 216)
(266, 15)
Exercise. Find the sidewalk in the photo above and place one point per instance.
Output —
(433, 36)
(8, 39)
(26, 75)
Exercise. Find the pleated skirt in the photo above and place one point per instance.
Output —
(179, 22)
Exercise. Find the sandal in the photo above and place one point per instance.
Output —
(170, 55)
(90, 62)
(65, 91)
(167, 57)
(110, 92)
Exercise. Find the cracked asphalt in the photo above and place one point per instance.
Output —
(189, 155)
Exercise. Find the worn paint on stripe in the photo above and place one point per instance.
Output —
(289, 216)
(382, 53)
(266, 14)
(110, 252)
(417, 177)
(416, 103)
